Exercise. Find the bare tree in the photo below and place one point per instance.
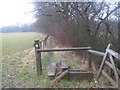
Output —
(78, 23)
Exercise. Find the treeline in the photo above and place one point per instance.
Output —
(16, 28)
(77, 24)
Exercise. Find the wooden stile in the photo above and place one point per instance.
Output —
(38, 44)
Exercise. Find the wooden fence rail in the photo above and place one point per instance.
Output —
(96, 52)
(63, 49)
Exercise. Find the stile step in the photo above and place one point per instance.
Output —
(51, 70)
(64, 64)
(79, 75)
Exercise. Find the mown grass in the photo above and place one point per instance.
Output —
(20, 71)
(10, 45)
(15, 42)
(71, 84)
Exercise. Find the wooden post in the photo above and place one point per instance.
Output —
(89, 62)
(37, 45)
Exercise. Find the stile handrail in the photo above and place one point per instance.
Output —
(63, 49)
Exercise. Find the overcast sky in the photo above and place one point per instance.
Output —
(16, 12)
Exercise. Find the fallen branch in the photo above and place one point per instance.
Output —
(60, 77)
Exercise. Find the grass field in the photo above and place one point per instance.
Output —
(11, 43)
(15, 42)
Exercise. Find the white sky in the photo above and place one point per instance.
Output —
(12, 12)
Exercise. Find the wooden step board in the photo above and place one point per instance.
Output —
(52, 69)
(64, 64)
(79, 75)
